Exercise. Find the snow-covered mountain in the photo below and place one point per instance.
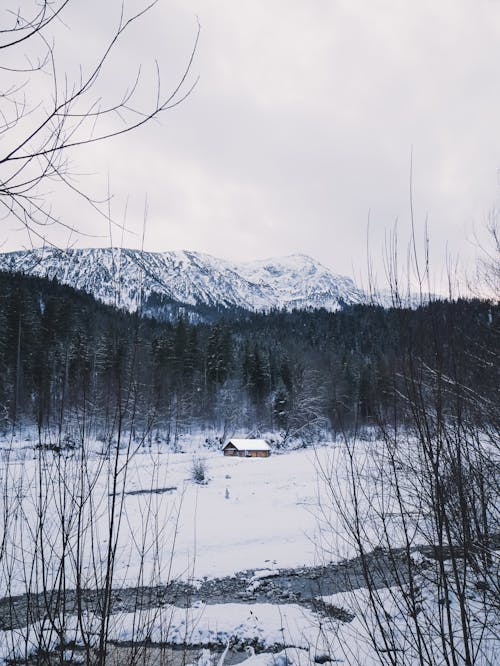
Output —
(120, 276)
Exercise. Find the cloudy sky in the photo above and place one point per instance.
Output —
(300, 129)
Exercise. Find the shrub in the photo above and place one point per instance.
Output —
(199, 471)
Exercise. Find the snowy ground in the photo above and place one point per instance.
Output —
(252, 514)
(300, 634)
(264, 625)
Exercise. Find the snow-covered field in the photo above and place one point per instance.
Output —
(251, 514)
(62, 516)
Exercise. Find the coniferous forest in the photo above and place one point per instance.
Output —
(72, 365)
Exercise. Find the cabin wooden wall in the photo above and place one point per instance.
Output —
(243, 454)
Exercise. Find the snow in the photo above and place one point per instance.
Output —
(355, 640)
(269, 516)
(298, 281)
(264, 573)
(304, 634)
(266, 625)
(117, 276)
(277, 515)
(250, 444)
(271, 624)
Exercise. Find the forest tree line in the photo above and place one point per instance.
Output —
(69, 363)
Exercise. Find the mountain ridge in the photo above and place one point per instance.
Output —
(135, 279)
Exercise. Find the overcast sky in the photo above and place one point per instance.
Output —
(300, 128)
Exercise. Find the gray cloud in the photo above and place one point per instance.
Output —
(301, 126)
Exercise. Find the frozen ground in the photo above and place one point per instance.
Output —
(251, 514)
(303, 636)
(264, 625)
(62, 515)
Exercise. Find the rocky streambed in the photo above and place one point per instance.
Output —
(301, 586)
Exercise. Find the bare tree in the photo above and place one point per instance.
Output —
(488, 274)
(419, 506)
(46, 117)
(40, 134)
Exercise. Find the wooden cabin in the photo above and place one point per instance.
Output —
(247, 448)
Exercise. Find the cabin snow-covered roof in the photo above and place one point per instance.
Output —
(249, 444)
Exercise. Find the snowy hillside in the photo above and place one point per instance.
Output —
(300, 282)
(119, 277)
